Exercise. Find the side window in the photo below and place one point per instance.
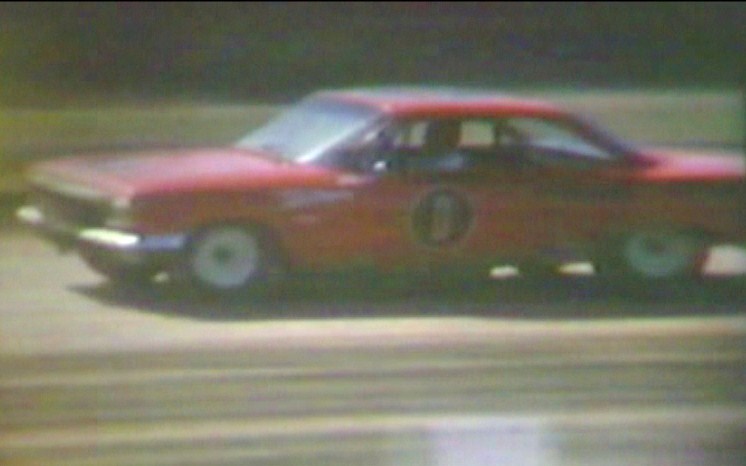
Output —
(477, 134)
(409, 135)
(428, 145)
(388, 147)
(547, 139)
(416, 134)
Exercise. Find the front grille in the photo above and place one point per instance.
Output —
(65, 210)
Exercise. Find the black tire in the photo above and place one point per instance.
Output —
(653, 255)
(229, 260)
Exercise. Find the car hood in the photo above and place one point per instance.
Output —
(685, 165)
(137, 174)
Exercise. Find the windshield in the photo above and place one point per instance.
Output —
(307, 130)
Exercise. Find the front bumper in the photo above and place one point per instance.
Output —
(131, 246)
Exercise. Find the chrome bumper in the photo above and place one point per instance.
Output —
(104, 238)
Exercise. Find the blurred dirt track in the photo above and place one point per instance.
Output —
(568, 371)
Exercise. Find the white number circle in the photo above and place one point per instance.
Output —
(441, 218)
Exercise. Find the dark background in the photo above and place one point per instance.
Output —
(282, 50)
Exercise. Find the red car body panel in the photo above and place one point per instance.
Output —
(686, 166)
(179, 170)
(326, 217)
(437, 104)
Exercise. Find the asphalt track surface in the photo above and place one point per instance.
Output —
(564, 371)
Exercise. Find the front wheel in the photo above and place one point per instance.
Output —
(655, 255)
(228, 260)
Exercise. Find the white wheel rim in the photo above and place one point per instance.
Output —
(226, 258)
(659, 255)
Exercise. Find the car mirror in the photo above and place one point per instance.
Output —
(382, 166)
(386, 165)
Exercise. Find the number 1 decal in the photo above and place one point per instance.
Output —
(441, 218)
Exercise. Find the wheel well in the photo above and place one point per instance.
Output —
(605, 244)
(698, 232)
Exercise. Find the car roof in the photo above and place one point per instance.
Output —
(441, 101)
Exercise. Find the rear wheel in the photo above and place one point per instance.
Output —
(229, 259)
(654, 255)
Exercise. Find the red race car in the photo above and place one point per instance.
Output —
(392, 179)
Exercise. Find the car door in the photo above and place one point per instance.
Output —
(578, 186)
(407, 216)
(435, 207)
